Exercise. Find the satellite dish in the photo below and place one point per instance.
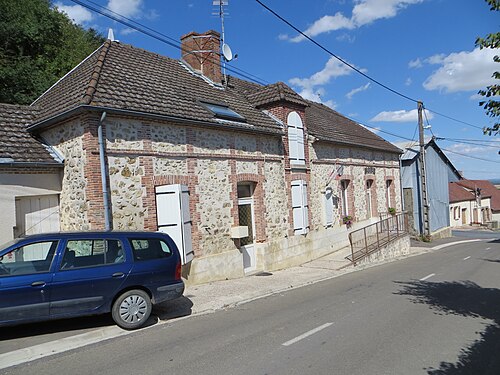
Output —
(226, 52)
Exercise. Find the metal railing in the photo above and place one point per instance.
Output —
(371, 238)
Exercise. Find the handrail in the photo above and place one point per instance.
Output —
(371, 238)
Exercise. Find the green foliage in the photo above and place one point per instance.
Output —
(38, 45)
(392, 210)
(491, 106)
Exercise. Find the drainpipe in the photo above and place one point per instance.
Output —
(104, 180)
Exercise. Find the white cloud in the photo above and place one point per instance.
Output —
(310, 88)
(462, 71)
(326, 24)
(408, 81)
(367, 11)
(126, 8)
(283, 37)
(353, 92)
(399, 116)
(316, 96)
(417, 63)
(76, 13)
(127, 31)
(333, 69)
(463, 148)
(363, 13)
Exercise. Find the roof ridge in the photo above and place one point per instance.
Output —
(94, 77)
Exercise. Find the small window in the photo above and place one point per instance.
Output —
(223, 111)
(32, 258)
(147, 249)
(344, 184)
(91, 253)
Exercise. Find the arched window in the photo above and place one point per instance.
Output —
(296, 139)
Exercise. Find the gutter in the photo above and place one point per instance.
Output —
(126, 112)
(32, 164)
(104, 179)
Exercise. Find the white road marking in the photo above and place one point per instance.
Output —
(452, 243)
(466, 258)
(488, 248)
(427, 277)
(307, 334)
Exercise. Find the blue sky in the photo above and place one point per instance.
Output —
(423, 49)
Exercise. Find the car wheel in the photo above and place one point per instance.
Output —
(131, 309)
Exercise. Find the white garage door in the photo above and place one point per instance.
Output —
(39, 214)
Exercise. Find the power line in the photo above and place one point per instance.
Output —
(335, 56)
(475, 140)
(160, 37)
(471, 157)
(356, 69)
(454, 119)
(469, 143)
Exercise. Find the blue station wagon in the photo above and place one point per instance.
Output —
(62, 275)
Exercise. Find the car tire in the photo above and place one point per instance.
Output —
(132, 309)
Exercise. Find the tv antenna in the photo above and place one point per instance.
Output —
(226, 53)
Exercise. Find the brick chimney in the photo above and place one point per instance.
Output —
(202, 53)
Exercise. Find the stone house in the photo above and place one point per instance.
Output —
(439, 172)
(474, 202)
(244, 177)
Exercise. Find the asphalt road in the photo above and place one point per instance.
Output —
(438, 313)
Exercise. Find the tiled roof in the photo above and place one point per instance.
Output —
(16, 144)
(277, 92)
(123, 77)
(459, 194)
(328, 125)
(487, 190)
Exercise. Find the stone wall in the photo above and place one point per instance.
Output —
(125, 175)
(327, 157)
(68, 141)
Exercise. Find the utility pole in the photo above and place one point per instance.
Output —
(424, 212)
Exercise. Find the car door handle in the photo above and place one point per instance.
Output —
(38, 283)
(117, 274)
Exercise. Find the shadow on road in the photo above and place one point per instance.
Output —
(177, 308)
(465, 299)
(55, 326)
(66, 327)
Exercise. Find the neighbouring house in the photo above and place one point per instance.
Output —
(244, 177)
(30, 177)
(474, 202)
(439, 172)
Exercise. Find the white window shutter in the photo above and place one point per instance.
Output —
(296, 139)
(300, 208)
(186, 225)
(328, 207)
(292, 144)
(172, 212)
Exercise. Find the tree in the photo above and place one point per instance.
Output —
(491, 106)
(38, 45)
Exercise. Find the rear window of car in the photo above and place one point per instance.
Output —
(151, 248)
(92, 252)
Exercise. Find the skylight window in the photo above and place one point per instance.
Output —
(223, 112)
